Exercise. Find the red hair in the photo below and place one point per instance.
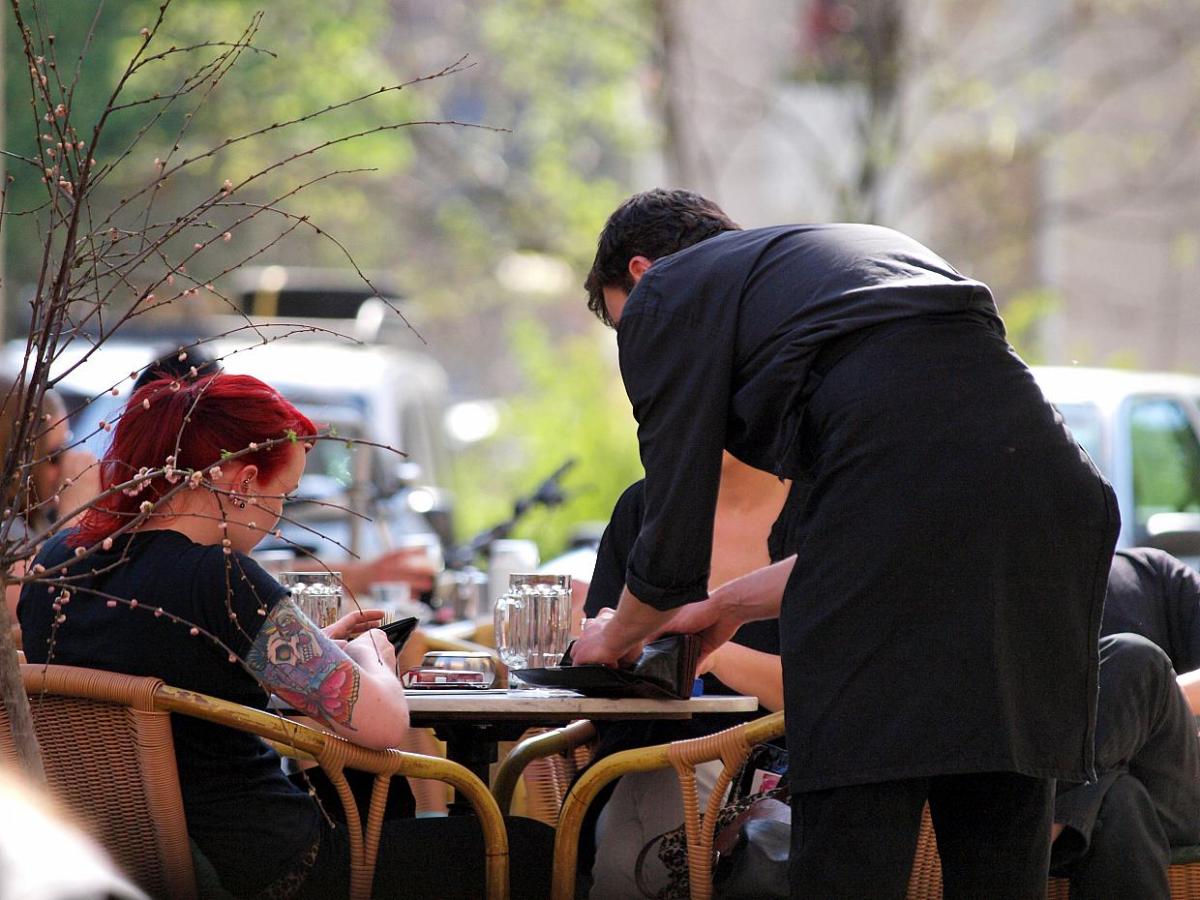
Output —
(196, 421)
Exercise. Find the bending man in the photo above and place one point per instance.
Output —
(939, 627)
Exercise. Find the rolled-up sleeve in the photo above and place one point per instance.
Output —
(677, 367)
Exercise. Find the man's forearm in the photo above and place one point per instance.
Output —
(633, 622)
(756, 595)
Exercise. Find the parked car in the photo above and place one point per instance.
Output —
(1142, 429)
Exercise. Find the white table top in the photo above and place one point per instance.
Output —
(546, 704)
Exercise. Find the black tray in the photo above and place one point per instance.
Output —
(596, 681)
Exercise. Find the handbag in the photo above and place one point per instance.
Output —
(751, 840)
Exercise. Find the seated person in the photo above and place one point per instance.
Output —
(60, 480)
(410, 565)
(644, 805)
(1117, 832)
(156, 581)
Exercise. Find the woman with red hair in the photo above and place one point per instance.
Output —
(156, 581)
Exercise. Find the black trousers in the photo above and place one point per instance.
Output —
(421, 858)
(1120, 828)
(438, 857)
(993, 833)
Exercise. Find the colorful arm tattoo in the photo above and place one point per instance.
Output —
(293, 658)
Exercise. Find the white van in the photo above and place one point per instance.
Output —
(372, 392)
(1142, 429)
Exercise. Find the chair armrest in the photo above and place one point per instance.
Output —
(560, 740)
(334, 754)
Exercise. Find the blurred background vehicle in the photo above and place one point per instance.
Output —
(382, 479)
(1142, 429)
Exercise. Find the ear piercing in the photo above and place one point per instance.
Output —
(238, 501)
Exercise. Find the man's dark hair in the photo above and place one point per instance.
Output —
(169, 365)
(652, 224)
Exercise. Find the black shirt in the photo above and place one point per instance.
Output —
(952, 551)
(1153, 594)
(609, 578)
(248, 819)
(716, 345)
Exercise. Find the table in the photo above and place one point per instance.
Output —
(473, 722)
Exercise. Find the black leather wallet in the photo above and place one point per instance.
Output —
(665, 670)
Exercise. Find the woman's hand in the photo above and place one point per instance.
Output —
(354, 623)
(372, 650)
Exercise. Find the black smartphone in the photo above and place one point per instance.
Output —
(400, 631)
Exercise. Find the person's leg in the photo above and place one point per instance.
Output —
(400, 804)
(1128, 855)
(643, 806)
(1144, 726)
(855, 841)
(993, 833)
(443, 857)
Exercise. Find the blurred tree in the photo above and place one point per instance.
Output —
(575, 407)
(481, 228)
(350, 62)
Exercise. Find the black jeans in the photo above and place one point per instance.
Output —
(420, 858)
(1119, 829)
(436, 857)
(993, 832)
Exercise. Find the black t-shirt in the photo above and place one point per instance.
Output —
(1153, 594)
(605, 590)
(612, 558)
(245, 815)
(717, 343)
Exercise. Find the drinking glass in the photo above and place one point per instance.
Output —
(533, 622)
(318, 594)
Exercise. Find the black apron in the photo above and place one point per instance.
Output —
(953, 547)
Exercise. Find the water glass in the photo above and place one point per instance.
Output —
(318, 594)
(533, 621)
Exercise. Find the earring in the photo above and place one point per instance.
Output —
(238, 501)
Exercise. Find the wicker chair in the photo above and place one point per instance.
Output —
(546, 761)
(109, 756)
(925, 883)
(731, 746)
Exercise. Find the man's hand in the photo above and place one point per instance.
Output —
(619, 636)
(708, 619)
(595, 644)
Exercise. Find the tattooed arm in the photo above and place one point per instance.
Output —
(353, 691)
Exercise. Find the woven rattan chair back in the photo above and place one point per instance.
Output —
(548, 778)
(335, 755)
(110, 762)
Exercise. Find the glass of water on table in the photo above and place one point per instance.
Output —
(533, 622)
(318, 594)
